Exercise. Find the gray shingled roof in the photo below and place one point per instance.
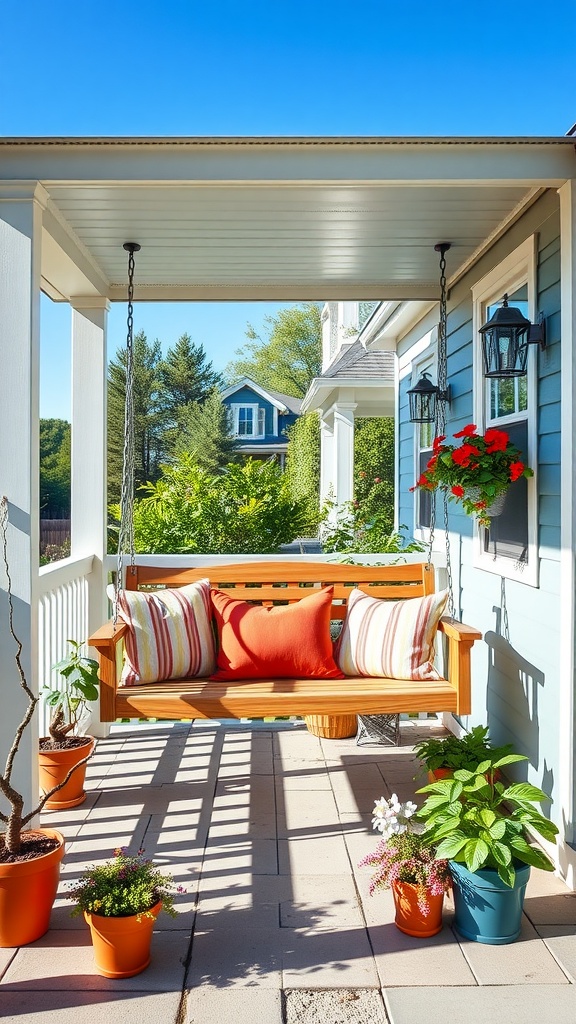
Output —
(291, 403)
(362, 364)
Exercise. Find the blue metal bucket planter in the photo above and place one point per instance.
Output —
(486, 909)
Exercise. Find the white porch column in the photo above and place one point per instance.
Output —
(21, 207)
(566, 800)
(89, 374)
(344, 451)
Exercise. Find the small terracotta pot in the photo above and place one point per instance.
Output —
(54, 765)
(409, 918)
(27, 892)
(446, 773)
(332, 727)
(122, 944)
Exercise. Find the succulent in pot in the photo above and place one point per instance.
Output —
(64, 748)
(480, 825)
(406, 862)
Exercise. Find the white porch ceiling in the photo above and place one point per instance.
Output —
(288, 219)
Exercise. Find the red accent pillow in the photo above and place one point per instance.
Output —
(256, 642)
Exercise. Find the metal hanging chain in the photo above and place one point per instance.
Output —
(440, 418)
(126, 531)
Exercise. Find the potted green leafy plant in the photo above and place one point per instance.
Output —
(441, 756)
(480, 825)
(121, 900)
(64, 748)
(477, 472)
(406, 862)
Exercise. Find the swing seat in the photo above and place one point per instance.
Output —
(270, 583)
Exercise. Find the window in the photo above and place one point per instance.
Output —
(248, 420)
(509, 546)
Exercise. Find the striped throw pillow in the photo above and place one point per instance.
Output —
(393, 639)
(169, 636)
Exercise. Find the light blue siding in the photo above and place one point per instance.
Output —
(516, 669)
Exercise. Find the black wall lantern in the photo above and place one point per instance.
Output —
(423, 397)
(505, 340)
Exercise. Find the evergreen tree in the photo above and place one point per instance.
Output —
(55, 468)
(147, 415)
(291, 356)
(185, 377)
(204, 433)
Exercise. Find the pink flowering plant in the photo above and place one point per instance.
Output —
(475, 471)
(403, 854)
(124, 886)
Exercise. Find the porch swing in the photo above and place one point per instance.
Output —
(277, 586)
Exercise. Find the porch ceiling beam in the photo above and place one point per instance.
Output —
(293, 292)
(530, 162)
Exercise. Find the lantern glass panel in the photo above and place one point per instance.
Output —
(508, 395)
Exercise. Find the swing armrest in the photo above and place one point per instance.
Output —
(460, 639)
(108, 642)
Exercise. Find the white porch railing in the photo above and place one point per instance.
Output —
(62, 614)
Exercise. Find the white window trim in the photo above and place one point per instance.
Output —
(517, 269)
(235, 407)
(427, 362)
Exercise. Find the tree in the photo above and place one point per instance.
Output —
(374, 468)
(185, 378)
(246, 509)
(147, 415)
(291, 356)
(303, 467)
(203, 432)
(55, 468)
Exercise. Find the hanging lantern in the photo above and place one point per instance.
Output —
(423, 397)
(505, 340)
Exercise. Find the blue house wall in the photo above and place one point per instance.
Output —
(247, 396)
(517, 669)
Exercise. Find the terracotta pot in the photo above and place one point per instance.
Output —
(54, 765)
(446, 773)
(332, 727)
(27, 892)
(122, 944)
(409, 918)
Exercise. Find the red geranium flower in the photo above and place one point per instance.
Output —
(516, 470)
(468, 431)
(437, 443)
(457, 491)
(496, 440)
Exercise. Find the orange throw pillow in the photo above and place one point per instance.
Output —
(273, 643)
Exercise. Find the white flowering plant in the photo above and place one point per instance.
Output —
(404, 854)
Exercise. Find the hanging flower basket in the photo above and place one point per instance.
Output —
(477, 472)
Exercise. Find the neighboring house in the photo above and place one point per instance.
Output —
(259, 418)
(356, 381)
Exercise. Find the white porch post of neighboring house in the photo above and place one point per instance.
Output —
(344, 451)
(89, 376)
(21, 210)
(567, 782)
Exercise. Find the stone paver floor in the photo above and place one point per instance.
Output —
(264, 826)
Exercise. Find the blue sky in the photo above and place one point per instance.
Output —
(292, 68)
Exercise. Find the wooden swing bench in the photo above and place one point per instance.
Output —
(285, 582)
